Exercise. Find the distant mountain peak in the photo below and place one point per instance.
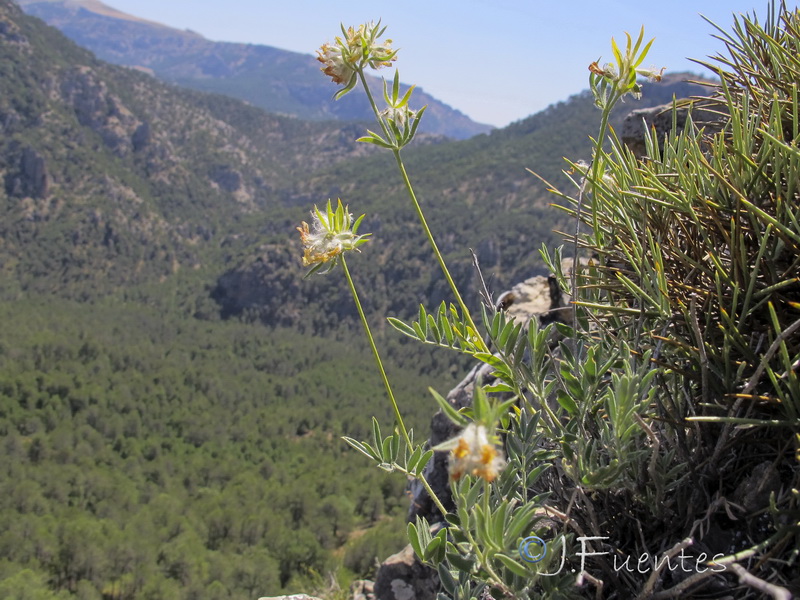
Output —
(278, 81)
(96, 7)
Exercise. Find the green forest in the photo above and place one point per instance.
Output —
(148, 456)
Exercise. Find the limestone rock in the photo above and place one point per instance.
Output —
(403, 577)
(30, 179)
(96, 107)
(362, 589)
(660, 118)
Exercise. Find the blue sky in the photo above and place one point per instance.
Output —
(497, 61)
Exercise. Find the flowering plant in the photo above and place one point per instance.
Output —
(592, 429)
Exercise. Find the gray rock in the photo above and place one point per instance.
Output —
(362, 589)
(661, 119)
(403, 577)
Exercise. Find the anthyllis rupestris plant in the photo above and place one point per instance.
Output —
(609, 85)
(346, 61)
(668, 421)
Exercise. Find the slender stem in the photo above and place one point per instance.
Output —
(598, 149)
(397, 414)
(592, 179)
(465, 311)
(427, 486)
(375, 353)
(409, 188)
(374, 106)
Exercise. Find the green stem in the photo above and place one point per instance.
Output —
(598, 149)
(427, 486)
(592, 180)
(398, 416)
(374, 106)
(375, 353)
(396, 151)
(465, 311)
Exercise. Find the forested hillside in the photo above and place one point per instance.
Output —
(171, 391)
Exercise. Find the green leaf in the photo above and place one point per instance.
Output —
(566, 402)
(376, 436)
(414, 540)
(402, 327)
(461, 563)
(446, 579)
(513, 565)
(437, 336)
(424, 460)
(423, 322)
(432, 549)
(447, 408)
(411, 463)
(365, 449)
(499, 523)
(521, 521)
(386, 449)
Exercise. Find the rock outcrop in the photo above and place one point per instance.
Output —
(661, 119)
(30, 178)
(403, 577)
(96, 107)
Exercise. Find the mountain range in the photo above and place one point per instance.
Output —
(134, 180)
(276, 80)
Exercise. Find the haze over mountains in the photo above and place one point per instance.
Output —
(171, 390)
(278, 81)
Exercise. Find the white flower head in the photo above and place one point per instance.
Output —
(349, 55)
(337, 66)
(331, 233)
(472, 453)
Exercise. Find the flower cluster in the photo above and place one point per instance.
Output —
(331, 233)
(399, 116)
(621, 76)
(349, 55)
(473, 454)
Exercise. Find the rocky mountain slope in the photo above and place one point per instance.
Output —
(276, 80)
(113, 177)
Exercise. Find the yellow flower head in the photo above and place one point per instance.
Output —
(331, 233)
(619, 77)
(473, 454)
